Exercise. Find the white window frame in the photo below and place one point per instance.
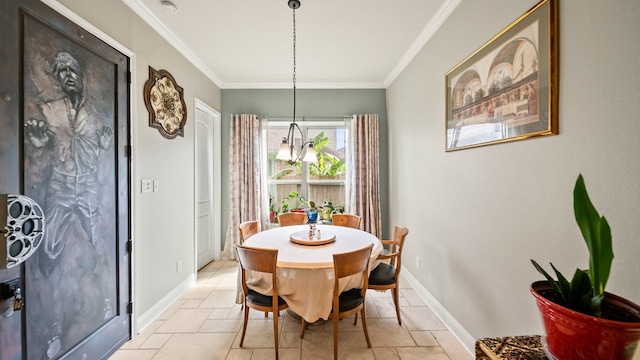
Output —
(305, 182)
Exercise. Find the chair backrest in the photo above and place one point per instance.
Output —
(349, 220)
(247, 229)
(399, 233)
(351, 263)
(256, 259)
(292, 218)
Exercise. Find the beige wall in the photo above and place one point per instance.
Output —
(164, 221)
(477, 216)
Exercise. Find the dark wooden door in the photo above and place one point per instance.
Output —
(64, 139)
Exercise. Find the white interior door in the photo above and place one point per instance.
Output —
(207, 157)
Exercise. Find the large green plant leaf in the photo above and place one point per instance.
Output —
(597, 235)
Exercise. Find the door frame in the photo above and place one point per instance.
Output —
(133, 129)
(217, 183)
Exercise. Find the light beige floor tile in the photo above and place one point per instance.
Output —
(184, 320)
(424, 338)
(227, 284)
(420, 318)
(172, 309)
(219, 299)
(259, 334)
(212, 266)
(139, 339)
(451, 345)
(412, 297)
(386, 307)
(196, 347)
(387, 333)
(290, 339)
(269, 354)
(221, 325)
(386, 353)
(191, 304)
(239, 354)
(422, 353)
(206, 324)
(124, 354)
(204, 276)
(156, 341)
(198, 291)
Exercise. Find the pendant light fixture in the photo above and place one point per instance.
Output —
(288, 151)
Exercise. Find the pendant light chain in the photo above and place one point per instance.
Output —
(288, 151)
(294, 65)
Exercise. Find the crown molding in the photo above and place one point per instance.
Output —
(434, 24)
(287, 85)
(147, 16)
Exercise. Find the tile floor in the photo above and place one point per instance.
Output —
(206, 324)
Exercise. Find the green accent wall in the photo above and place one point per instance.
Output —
(278, 103)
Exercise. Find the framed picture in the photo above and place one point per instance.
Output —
(164, 99)
(507, 89)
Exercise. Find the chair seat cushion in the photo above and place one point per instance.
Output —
(350, 299)
(382, 275)
(255, 297)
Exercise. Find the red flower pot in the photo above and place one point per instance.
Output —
(571, 335)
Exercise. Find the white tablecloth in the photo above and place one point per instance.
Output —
(305, 273)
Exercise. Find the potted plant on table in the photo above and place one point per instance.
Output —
(580, 319)
(312, 213)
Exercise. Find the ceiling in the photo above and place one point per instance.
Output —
(340, 43)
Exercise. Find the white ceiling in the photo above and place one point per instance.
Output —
(340, 43)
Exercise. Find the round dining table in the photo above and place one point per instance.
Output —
(304, 273)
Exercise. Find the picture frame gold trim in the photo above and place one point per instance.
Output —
(507, 89)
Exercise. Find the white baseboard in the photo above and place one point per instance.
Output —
(161, 306)
(441, 312)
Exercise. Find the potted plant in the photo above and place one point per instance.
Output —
(293, 202)
(312, 213)
(326, 210)
(580, 319)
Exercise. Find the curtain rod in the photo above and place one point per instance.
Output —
(283, 118)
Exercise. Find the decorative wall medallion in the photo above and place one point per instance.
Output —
(164, 99)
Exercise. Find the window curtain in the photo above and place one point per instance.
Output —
(246, 178)
(363, 186)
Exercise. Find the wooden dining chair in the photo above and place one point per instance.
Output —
(351, 301)
(247, 229)
(262, 260)
(349, 220)
(292, 218)
(387, 275)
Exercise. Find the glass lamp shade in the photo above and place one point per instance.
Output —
(310, 155)
(284, 153)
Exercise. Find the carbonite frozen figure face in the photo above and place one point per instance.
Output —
(68, 73)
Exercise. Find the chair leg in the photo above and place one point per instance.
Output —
(336, 319)
(275, 330)
(364, 327)
(355, 321)
(395, 292)
(244, 326)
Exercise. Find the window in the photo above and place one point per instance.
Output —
(317, 182)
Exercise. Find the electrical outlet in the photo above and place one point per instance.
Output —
(146, 186)
(418, 262)
(156, 185)
(178, 266)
